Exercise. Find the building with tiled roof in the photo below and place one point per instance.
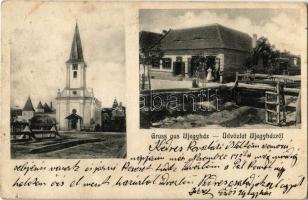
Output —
(224, 49)
(28, 110)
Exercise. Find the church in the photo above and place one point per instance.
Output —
(76, 107)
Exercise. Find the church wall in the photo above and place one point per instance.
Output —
(87, 113)
(98, 116)
(91, 110)
(75, 82)
(61, 114)
(75, 105)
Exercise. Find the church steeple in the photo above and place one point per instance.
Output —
(76, 54)
(75, 66)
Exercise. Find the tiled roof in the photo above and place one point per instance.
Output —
(206, 37)
(148, 39)
(76, 54)
(28, 106)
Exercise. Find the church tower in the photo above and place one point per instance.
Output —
(77, 108)
(75, 66)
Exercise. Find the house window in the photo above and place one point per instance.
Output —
(155, 63)
(74, 92)
(75, 74)
(166, 63)
(179, 59)
(75, 66)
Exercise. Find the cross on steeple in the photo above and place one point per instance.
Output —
(76, 54)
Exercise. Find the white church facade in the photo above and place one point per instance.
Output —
(77, 108)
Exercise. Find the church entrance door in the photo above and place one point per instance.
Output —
(74, 124)
(74, 121)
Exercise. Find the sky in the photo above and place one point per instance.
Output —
(41, 35)
(280, 26)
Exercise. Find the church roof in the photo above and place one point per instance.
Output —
(214, 36)
(47, 108)
(76, 54)
(28, 106)
(40, 106)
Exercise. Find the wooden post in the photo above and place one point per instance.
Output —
(278, 103)
(298, 109)
(149, 78)
(266, 112)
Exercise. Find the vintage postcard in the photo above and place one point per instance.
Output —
(153, 100)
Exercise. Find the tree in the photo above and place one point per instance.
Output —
(266, 52)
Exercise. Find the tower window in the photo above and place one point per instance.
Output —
(75, 66)
(75, 74)
(74, 92)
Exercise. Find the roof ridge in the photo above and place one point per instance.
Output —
(212, 24)
(213, 35)
(240, 32)
(192, 27)
(150, 32)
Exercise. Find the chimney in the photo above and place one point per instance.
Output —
(254, 40)
(51, 105)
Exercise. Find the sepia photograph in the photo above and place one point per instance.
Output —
(153, 100)
(68, 83)
(219, 68)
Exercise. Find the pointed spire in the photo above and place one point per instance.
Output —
(76, 50)
(28, 106)
(47, 108)
(40, 105)
(115, 103)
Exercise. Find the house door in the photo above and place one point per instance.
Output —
(194, 65)
(179, 68)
